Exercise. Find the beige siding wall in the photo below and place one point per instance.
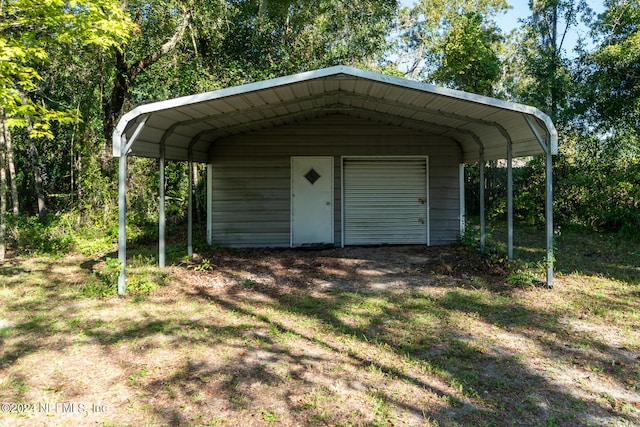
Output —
(251, 180)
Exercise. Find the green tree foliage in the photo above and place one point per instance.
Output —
(268, 38)
(469, 55)
(70, 68)
(611, 82)
(429, 26)
(541, 75)
(32, 35)
(30, 32)
(603, 180)
(39, 39)
(594, 100)
(162, 26)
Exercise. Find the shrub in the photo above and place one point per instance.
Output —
(27, 233)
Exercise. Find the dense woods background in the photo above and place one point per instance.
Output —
(69, 69)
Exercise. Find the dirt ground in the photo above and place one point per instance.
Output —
(352, 269)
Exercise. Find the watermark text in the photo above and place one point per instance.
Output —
(52, 408)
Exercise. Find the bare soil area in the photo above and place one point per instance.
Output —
(351, 269)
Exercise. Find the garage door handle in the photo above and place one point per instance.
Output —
(422, 201)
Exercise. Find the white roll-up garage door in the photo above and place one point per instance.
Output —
(385, 201)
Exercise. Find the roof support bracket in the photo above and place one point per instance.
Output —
(534, 129)
(127, 145)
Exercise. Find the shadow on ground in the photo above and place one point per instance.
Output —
(360, 336)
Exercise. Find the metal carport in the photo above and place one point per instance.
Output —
(186, 128)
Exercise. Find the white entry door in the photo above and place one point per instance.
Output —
(311, 200)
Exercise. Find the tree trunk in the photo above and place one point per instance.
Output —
(12, 172)
(555, 62)
(6, 134)
(3, 192)
(37, 174)
(262, 9)
(114, 103)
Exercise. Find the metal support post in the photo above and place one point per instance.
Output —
(482, 202)
(209, 204)
(161, 216)
(549, 217)
(463, 225)
(122, 222)
(510, 201)
(190, 208)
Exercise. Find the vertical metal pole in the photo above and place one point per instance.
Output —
(190, 208)
(209, 204)
(462, 204)
(549, 217)
(510, 201)
(161, 216)
(482, 202)
(428, 182)
(122, 220)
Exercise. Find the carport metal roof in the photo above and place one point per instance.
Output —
(187, 128)
(478, 123)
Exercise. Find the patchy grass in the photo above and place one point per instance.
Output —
(362, 337)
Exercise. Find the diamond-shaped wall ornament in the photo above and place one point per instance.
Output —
(312, 176)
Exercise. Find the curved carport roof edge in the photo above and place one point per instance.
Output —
(539, 124)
